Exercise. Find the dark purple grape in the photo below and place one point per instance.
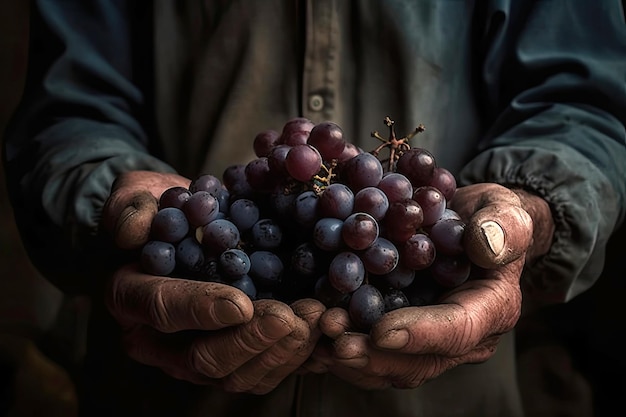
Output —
(244, 213)
(303, 162)
(447, 235)
(246, 285)
(276, 160)
(373, 201)
(169, 225)
(381, 257)
(327, 234)
(305, 208)
(444, 181)
(220, 235)
(432, 201)
(158, 258)
(418, 165)
(189, 255)
(394, 299)
(396, 187)
(201, 208)
(264, 141)
(266, 234)
(305, 260)
(174, 197)
(402, 220)
(206, 182)
(337, 201)
(259, 175)
(350, 150)
(234, 263)
(296, 138)
(234, 179)
(296, 124)
(266, 268)
(401, 277)
(366, 307)
(360, 231)
(450, 271)
(364, 170)
(329, 295)
(418, 252)
(346, 272)
(327, 138)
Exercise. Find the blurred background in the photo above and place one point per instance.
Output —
(571, 357)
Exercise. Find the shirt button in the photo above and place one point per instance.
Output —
(316, 102)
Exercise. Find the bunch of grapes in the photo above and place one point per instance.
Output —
(315, 216)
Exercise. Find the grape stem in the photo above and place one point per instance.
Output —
(397, 146)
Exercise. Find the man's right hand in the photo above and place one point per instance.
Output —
(202, 332)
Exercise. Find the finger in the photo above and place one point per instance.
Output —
(497, 235)
(265, 372)
(476, 310)
(171, 304)
(335, 322)
(218, 354)
(129, 220)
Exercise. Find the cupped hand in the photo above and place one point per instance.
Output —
(202, 332)
(211, 333)
(412, 345)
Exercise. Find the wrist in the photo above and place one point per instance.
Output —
(543, 223)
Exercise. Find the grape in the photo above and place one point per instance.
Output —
(220, 235)
(158, 258)
(313, 215)
(174, 197)
(337, 201)
(246, 285)
(201, 208)
(169, 225)
(266, 234)
(381, 257)
(447, 235)
(303, 162)
(327, 234)
(418, 165)
(418, 252)
(206, 182)
(264, 142)
(327, 138)
(373, 201)
(359, 231)
(346, 272)
(266, 268)
(234, 262)
(364, 170)
(444, 181)
(244, 213)
(366, 306)
(189, 255)
(396, 187)
(432, 201)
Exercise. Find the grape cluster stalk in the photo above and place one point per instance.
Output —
(313, 215)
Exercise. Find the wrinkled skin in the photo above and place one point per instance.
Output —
(202, 332)
(412, 345)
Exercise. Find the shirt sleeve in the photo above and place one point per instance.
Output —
(554, 86)
(81, 122)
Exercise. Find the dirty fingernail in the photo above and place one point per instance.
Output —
(274, 327)
(494, 235)
(394, 339)
(227, 312)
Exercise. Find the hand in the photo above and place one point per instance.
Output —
(202, 332)
(412, 345)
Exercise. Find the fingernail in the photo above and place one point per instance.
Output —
(357, 363)
(227, 312)
(494, 235)
(274, 327)
(394, 339)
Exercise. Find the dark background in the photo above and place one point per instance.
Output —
(571, 357)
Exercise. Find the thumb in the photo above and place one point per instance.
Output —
(498, 234)
(128, 218)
